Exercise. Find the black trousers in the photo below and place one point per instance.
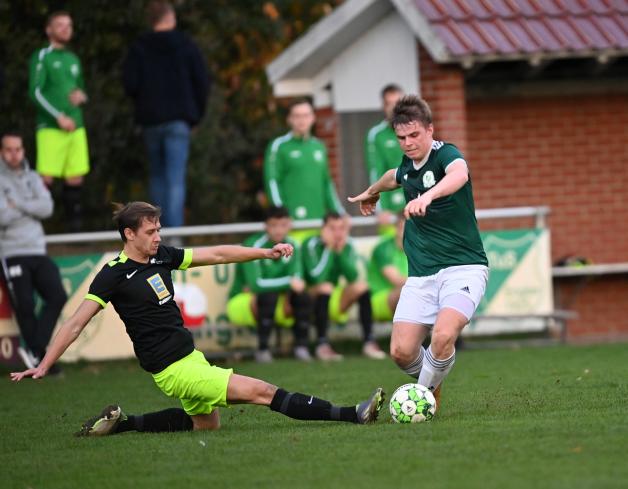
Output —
(27, 275)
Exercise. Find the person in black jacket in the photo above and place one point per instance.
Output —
(166, 75)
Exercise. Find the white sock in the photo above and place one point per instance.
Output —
(414, 368)
(434, 370)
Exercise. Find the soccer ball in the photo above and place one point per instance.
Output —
(412, 403)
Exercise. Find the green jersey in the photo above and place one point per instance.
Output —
(54, 73)
(382, 154)
(385, 254)
(266, 275)
(321, 264)
(448, 234)
(296, 176)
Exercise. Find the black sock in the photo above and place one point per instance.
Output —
(72, 206)
(299, 406)
(321, 317)
(266, 305)
(168, 420)
(301, 307)
(366, 315)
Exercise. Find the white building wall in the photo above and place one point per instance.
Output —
(387, 53)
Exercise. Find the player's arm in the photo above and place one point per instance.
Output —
(348, 260)
(317, 262)
(393, 276)
(272, 174)
(456, 175)
(69, 332)
(8, 211)
(40, 206)
(368, 199)
(78, 95)
(214, 255)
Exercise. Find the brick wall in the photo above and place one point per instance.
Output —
(328, 130)
(569, 153)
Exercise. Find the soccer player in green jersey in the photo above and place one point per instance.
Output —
(296, 169)
(448, 269)
(139, 285)
(266, 293)
(57, 88)
(387, 273)
(326, 258)
(382, 153)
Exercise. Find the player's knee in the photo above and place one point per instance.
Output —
(442, 343)
(324, 288)
(401, 355)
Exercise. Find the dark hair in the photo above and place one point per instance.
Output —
(11, 134)
(57, 13)
(299, 101)
(411, 108)
(276, 212)
(390, 88)
(156, 10)
(331, 216)
(132, 214)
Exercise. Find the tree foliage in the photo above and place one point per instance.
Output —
(238, 38)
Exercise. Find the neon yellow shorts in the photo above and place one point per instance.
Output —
(62, 154)
(300, 235)
(335, 314)
(239, 311)
(379, 303)
(199, 385)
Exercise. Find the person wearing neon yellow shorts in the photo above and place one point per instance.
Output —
(138, 282)
(326, 258)
(266, 293)
(57, 88)
(387, 273)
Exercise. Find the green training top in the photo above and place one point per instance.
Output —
(320, 264)
(296, 176)
(448, 234)
(382, 154)
(266, 275)
(54, 73)
(385, 254)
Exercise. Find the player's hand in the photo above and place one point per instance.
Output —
(417, 207)
(367, 202)
(77, 97)
(297, 285)
(35, 373)
(66, 123)
(279, 250)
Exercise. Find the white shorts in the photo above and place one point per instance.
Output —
(422, 297)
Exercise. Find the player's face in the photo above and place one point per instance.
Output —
(389, 101)
(278, 228)
(60, 29)
(146, 239)
(12, 151)
(337, 229)
(415, 139)
(301, 119)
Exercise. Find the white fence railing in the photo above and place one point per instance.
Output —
(538, 213)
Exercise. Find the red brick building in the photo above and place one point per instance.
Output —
(534, 93)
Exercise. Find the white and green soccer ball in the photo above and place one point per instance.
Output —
(412, 403)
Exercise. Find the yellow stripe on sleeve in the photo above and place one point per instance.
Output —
(97, 299)
(187, 259)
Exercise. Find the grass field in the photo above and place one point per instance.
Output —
(540, 417)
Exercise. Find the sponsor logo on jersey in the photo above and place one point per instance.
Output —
(295, 153)
(56, 64)
(428, 179)
(158, 286)
(391, 143)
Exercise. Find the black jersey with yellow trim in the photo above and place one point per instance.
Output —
(143, 296)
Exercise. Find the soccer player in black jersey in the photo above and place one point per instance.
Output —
(139, 285)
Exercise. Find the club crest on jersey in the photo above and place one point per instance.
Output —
(428, 179)
(158, 286)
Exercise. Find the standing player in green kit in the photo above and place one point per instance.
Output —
(296, 170)
(57, 88)
(382, 153)
(448, 269)
(138, 283)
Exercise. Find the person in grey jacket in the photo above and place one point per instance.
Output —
(24, 202)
